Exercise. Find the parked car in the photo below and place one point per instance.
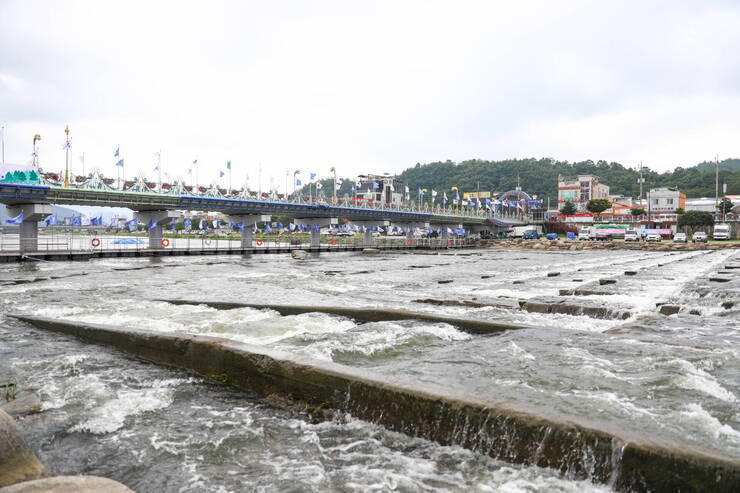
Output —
(652, 237)
(699, 237)
(531, 234)
(631, 235)
(679, 238)
(585, 233)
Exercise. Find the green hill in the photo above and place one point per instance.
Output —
(540, 176)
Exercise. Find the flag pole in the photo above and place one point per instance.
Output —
(159, 168)
(66, 156)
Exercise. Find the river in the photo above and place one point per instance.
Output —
(157, 429)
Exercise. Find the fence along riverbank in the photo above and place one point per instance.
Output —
(584, 449)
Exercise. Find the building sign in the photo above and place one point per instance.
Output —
(477, 195)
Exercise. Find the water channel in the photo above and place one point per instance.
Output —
(158, 429)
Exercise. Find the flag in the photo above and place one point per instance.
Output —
(279, 226)
(216, 223)
(190, 171)
(94, 221)
(316, 228)
(187, 224)
(220, 174)
(393, 189)
(421, 192)
(202, 224)
(117, 153)
(51, 220)
(15, 220)
(173, 224)
(297, 182)
(318, 186)
(132, 224)
(113, 222)
(76, 221)
(434, 193)
(267, 228)
(120, 163)
(67, 144)
(338, 184)
(158, 155)
(291, 227)
(228, 164)
(313, 176)
(444, 197)
(376, 185)
(195, 161)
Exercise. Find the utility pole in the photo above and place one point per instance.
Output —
(2, 134)
(82, 160)
(641, 180)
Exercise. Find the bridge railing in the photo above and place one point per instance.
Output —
(51, 241)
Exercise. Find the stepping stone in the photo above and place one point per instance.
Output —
(607, 281)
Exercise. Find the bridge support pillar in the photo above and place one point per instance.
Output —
(29, 228)
(313, 222)
(159, 218)
(249, 222)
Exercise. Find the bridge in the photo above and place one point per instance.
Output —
(158, 208)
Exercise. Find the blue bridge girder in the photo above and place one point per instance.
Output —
(15, 194)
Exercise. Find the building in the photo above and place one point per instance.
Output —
(620, 204)
(580, 190)
(665, 200)
(380, 188)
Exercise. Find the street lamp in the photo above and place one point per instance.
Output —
(66, 158)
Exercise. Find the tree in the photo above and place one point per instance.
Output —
(725, 205)
(568, 209)
(637, 211)
(680, 210)
(597, 206)
(696, 218)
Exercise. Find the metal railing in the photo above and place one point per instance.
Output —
(50, 242)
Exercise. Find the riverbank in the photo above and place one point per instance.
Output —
(545, 244)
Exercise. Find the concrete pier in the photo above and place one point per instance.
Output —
(29, 228)
(249, 222)
(512, 432)
(160, 218)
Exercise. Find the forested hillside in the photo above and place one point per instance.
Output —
(539, 176)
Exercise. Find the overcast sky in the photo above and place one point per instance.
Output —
(369, 86)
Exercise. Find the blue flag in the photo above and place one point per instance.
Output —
(120, 163)
(51, 220)
(15, 220)
(77, 221)
(267, 227)
(173, 223)
(297, 182)
(152, 224)
(94, 221)
(376, 185)
(316, 228)
(228, 164)
(220, 174)
(113, 222)
(187, 224)
(132, 224)
(279, 225)
(313, 176)
(117, 153)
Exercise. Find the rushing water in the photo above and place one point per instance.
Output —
(156, 429)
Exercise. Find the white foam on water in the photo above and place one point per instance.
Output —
(697, 379)
(696, 413)
(112, 414)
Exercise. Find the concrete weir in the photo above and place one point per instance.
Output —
(513, 433)
(364, 314)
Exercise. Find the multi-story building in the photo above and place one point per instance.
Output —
(665, 200)
(580, 190)
(380, 188)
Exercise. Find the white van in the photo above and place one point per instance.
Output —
(721, 232)
(586, 233)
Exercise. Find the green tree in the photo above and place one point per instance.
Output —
(680, 210)
(637, 211)
(696, 218)
(725, 205)
(597, 206)
(568, 209)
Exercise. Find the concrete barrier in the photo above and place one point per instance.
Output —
(514, 433)
(364, 314)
